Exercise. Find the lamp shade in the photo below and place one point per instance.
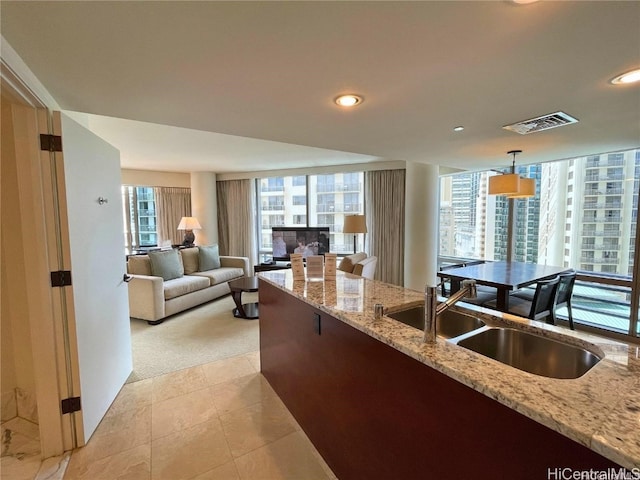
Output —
(189, 223)
(355, 224)
(507, 184)
(527, 188)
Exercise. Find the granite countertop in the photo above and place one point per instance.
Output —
(600, 410)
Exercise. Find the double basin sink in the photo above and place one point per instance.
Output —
(517, 348)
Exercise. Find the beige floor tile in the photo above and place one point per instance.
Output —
(241, 392)
(15, 444)
(131, 396)
(24, 427)
(178, 383)
(285, 459)
(178, 413)
(255, 426)
(254, 359)
(133, 464)
(23, 468)
(53, 468)
(117, 433)
(228, 369)
(190, 452)
(228, 471)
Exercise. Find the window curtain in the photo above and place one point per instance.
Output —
(172, 203)
(384, 203)
(236, 218)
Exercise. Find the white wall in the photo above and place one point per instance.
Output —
(153, 178)
(421, 225)
(204, 206)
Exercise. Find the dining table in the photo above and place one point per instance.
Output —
(504, 276)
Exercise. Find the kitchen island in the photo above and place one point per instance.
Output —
(379, 403)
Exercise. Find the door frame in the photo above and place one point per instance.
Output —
(51, 327)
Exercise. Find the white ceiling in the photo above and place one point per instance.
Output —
(250, 84)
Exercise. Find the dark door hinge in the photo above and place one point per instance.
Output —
(70, 405)
(50, 143)
(61, 278)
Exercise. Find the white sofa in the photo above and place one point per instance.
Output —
(165, 283)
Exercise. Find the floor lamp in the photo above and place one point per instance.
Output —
(354, 224)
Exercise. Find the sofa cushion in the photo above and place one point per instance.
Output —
(183, 285)
(348, 262)
(166, 264)
(190, 260)
(220, 275)
(209, 258)
(139, 265)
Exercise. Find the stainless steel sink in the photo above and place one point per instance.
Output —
(529, 352)
(449, 324)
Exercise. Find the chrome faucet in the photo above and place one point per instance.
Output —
(432, 310)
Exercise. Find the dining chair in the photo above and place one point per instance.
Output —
(483, 293)
(563, 296)
(445, 289)
(542, 306)
(565, 291)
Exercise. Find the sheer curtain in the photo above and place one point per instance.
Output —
(172, 203)
(236, 218)
(384, 201)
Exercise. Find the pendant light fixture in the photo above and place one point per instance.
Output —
(511, 184)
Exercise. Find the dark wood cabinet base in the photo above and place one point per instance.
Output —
(375, 413)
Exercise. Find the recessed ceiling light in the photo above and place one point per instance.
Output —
(349, 100)
(524, 2)
(458, 129)
(628, 77)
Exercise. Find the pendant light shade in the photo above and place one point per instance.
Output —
(511, 184)
(507, 184)
(527, 188)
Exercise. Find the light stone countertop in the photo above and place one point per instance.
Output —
(600, 410)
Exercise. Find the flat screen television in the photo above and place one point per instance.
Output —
(305, 240)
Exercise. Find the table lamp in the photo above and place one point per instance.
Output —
(189, 224)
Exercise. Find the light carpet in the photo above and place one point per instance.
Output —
(197, 336)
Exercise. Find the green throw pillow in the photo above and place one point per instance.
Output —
(166, 264)
(209, 258)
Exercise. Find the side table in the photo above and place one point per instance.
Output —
(269, 267)
(247, 311)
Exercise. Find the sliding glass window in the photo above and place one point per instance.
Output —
(584, 216)
(310, 200)
(139, 215)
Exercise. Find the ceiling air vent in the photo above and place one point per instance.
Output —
(545, 122)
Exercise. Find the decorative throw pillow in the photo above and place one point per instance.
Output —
(139, 265)
(166, 264)
(189, 259)
(209, 258)
(347, 263)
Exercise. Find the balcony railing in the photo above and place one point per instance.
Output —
(612, 177)
(610, 191)
(605, 162)
(602, 205)
(599, 261)
(606, 233)
(339, 187)
(272, 208)
(339, 208)
(272, 188)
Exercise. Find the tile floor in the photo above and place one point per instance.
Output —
(218, 421)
